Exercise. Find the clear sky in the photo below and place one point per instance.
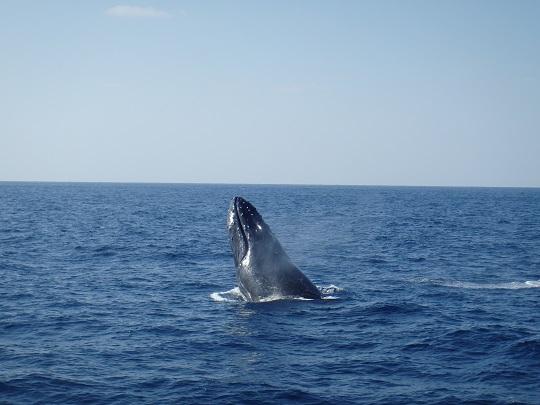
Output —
(303, 92)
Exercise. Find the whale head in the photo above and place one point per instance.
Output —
(246, 227)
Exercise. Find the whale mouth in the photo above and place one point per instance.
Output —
(238, 230)
(240, 219)
(246, 227)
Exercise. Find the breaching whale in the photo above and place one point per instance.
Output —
(263, 269)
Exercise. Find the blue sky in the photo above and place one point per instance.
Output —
(303, 92)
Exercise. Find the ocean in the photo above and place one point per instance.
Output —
(126, 294)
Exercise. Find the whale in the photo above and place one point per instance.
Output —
(264, 271)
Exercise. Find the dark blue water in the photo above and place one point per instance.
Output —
(124, 293)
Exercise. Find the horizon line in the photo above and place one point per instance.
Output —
(258, 184)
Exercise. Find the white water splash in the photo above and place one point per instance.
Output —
(234, 295)
(329, 291)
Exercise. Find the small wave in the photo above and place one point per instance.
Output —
(514, 285)
(527, 349)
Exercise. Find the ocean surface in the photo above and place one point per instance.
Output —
(126, 294)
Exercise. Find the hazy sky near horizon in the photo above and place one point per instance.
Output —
(309, 92)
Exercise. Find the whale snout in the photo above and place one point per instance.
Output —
(237, 237)
(250, 220)
(245, 226)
